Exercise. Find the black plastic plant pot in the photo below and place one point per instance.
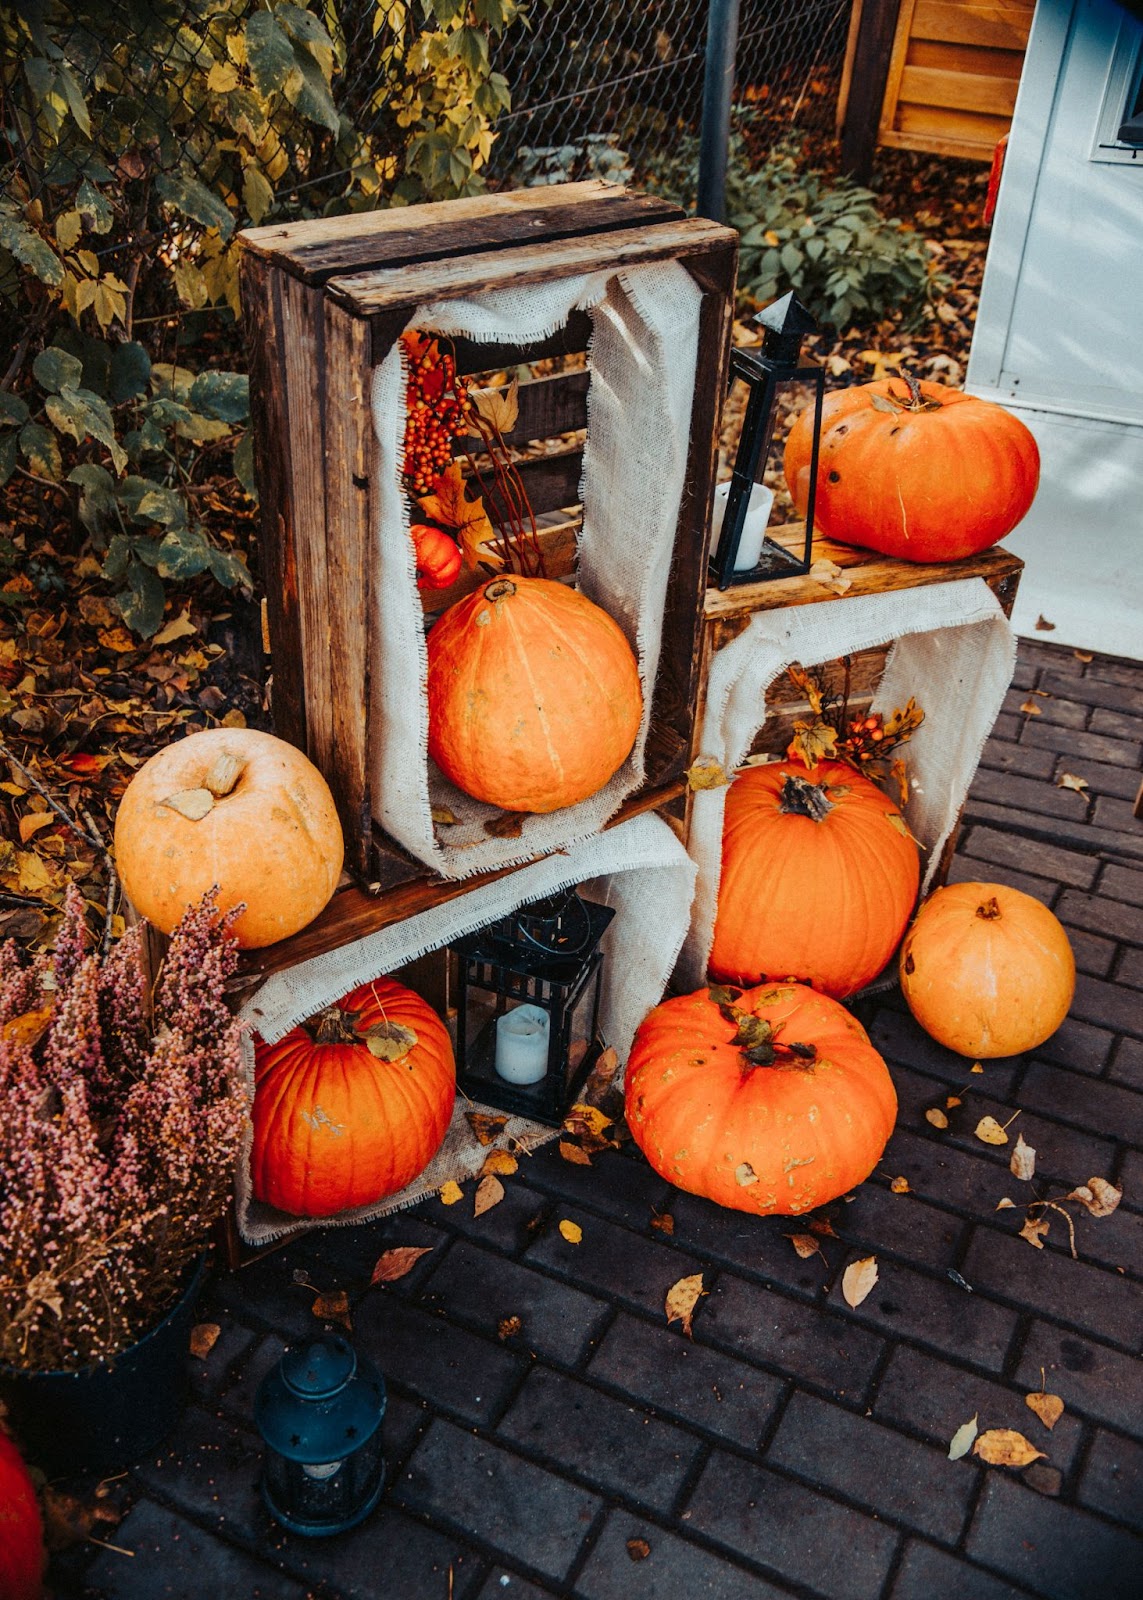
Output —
(104, 1417)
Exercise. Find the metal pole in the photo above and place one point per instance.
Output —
(717, 91)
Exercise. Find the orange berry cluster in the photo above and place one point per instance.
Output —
(864, 739)
(436, 412)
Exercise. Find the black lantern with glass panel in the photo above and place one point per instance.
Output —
(528, 1006)
(741, 551)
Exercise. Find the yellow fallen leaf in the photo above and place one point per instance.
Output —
(961, 1442)
(500, 1164)
(989, 1131)
(682, 1298)
(976, 1067)
(1004, 1447)
(575, 1153)
(28, 1028)
(444, 816)
(952, 1100)
(707, 773)
(900, 1186)
(1034, 1230)
(1031, 709)
(936, 1117)
(203, 1338)
(451, 1192)
(1099, 1196)
(33, 822)
(858, 1279)
(571, 1231)
(489, 1193)
(1048, 1407)
(1023, 1162)
(117, 639)
(177, 628)
(584, 1120)
(1068, 780)
(485, 1128)
(234, 718)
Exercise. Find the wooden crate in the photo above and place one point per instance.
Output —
(953, 74)
(324, 303)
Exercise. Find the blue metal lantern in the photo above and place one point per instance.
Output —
(319, 1413)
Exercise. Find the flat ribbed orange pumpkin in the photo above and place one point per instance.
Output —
(353, 1110)
(236, 808)
(773, 1100)
(819, 875)
(931, 478)
(987, 970)
(534, 697)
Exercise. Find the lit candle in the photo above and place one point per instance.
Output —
(754, 528)
(522, 1044)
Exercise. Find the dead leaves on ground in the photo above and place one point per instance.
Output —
(1048, 1407)
(961, 1442)
(858, 1279)
(1004, 1447)
(1100, 1197)
(571, 1231)
(1023, 1162)
(682, 1298)
(489, 1193)
(392, 1265)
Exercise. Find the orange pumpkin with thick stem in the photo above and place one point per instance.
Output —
(917, 471)
(534, 695)
(339, 1125)
(236, 808)
(772, 1100)
(819, 876)
(987, 970)
(21, 1531)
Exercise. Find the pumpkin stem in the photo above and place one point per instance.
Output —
(803, 799)
(916, 400)
(500, 590)
(223, 774)
(333, 1026)
(989, 911)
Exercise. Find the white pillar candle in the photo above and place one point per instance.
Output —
(522, 1044)
(754, 528)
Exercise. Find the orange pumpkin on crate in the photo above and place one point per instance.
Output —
(534, 695)
(772, 1100)
(352, 1106)
(819, 876)
(987, 970)
(914, 470)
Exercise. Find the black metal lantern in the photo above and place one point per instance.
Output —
(319, 1412)
(743, 553)
(528, 1006)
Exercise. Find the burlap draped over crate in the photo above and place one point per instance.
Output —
(642, 357)
(954, 652)
(639, 867)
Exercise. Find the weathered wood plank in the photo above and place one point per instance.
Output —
(552, 482)
(999, 27)
(476, 356)
(965, 58)
(547, 408)
(369, 292)
(953, 127)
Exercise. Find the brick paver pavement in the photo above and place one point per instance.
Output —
(795, 1447)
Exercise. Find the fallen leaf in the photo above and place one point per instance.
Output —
(444, 817)
(485, 1128)
(117, 639)
(234, 719)
(398, 1262)
(1048, 1407)
(178, 628)
(858, 1279)
(1034, 1230)
(830, 575)
(1099, 1196)
(936, 1117)
(489, 1193)
(500, 407)
(989, 1131)
(33, 822)
(575, 1153)
(745, 1175)
(707, 773)
(682, 1298)
(638, 1549)
(976, 1067)
(450, 1193)
(194, 804)
(28, 1028)
(961, 1282)
(951, 1101)
(389, 1041)
(1044, 626)
(1023, 1162)
(806, 1245)
(500, 1164)
(821, 1225)
(1082, 655)
(571, 1231)
(509, 1327)
(961, 1441)
(1004, 1447)
(900, 1186)
(584, 1121)
(1031, 709)
(1006, 1205)
(333, 1307)
(203, 1338)
(1069, 780)
(812, 742)
(507, 825)
(664, 1224)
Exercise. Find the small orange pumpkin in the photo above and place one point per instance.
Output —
(914, 470)
(772, 1100)
(987, 970)
(819, 875)
(351, 1107)
(438, 556)
(236, 808)
(534, 696)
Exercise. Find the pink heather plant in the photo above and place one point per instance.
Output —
(119, 1136)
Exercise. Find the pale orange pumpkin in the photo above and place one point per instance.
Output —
(772, 1100)
(338, 1125)
(236, 808)
(819, 876)
(987, 970)
(534, 695)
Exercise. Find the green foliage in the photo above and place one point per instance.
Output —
(141, 136)
(822, 237)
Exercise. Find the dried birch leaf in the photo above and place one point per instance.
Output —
(585, 1121)
(1023, 1162)
(936, 1117)
(989, 1131)
(1031, 709)
(575, 1153)
(1006, 1205)
(951, 1101)
(571, 1231)
(506, 825)
(682, 1298)
(489, 1193)
(334, 1307)
(1048, 1407)
(976, 1067)
(444, 817)
(389, 1041)
(1099, 1196)
(830, 575)
(485, 1128)
(203, 1338)
(398, 1262)
(707, 773)
(500, 1164)
(450, 1193)
(806, 1245)
(31, 824)
(900, 1186)
(858, 1279)
(961, 1442)
(664, 1224)
(1069, 780)
(194, 804)
(1034, 1230)
(1004, 1447)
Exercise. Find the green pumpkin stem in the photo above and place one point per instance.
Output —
(802, 799)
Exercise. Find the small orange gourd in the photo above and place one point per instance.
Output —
(987, 970)
(772, 1100)
(351, 1107)
(819, 875)
(438, 556)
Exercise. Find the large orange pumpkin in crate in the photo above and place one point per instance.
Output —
(534, 695)
(352, 1106)
(914, 470)
(772, 1100)
(987, 970)
(819, 876)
